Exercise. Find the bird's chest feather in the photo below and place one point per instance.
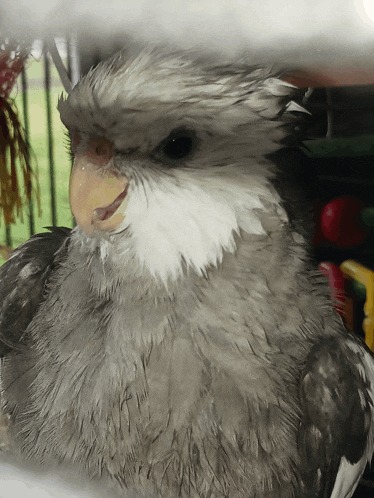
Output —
(152, 394)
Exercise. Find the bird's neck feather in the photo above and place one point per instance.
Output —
(170, 230)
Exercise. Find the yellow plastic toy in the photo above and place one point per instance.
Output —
(353, 270)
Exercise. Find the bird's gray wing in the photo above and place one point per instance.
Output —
(22, 282)
(336, 432)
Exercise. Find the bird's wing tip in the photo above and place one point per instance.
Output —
(348, 477)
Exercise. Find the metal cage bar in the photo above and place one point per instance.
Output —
(8, 236)
(47, 82)
(26, 121)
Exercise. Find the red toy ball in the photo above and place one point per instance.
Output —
(341, 222)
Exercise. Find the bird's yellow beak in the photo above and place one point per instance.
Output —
(98, 194)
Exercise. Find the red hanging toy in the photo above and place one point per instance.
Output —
(14, 155)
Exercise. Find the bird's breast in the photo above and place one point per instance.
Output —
(144, 393)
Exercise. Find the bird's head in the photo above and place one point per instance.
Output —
(170, 158)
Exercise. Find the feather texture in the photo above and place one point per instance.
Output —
(22, 284)
(192, 351)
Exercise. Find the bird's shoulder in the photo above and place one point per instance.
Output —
(337, 416)
(22, 282)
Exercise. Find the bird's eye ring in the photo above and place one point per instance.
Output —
(180, 144)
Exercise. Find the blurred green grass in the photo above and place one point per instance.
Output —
(39, 154)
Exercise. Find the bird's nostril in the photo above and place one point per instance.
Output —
(100, 150)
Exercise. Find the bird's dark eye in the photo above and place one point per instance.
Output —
(178, 145)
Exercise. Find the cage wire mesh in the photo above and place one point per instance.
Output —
(35, 96)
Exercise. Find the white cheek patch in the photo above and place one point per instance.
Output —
(187, 225)
(171, 224)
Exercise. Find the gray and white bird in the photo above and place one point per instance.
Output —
(179, 339)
